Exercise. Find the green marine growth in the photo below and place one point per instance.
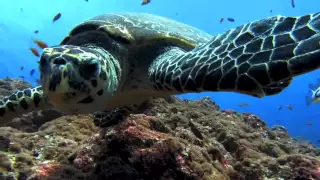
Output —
(116, 60)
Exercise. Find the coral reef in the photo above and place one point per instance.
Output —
(167, 139)
(8, 86)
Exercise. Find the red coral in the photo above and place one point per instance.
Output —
(46, 170)
(137, 126)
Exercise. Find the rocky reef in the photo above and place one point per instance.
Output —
(167, 139)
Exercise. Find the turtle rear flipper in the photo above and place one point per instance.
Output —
(247, 59)
(22, 102)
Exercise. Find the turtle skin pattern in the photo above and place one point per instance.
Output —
(250, 59)
(21, 101)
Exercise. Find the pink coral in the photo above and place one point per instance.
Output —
(83, 159)
(317, 172)
(138, 126)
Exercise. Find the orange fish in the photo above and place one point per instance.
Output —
(41, 44)
(144, 2)
(35, 52)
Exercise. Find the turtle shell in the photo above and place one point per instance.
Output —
(137, 29)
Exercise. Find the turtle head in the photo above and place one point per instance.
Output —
(74, 77)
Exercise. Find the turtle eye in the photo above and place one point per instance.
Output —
(89, 69)
(93, 68)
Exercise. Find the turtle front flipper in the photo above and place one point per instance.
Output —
(247, 59)
(277, 87)
(22, 102)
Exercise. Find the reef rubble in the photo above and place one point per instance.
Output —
(168, 139)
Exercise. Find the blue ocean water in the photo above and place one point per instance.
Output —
(20, 18)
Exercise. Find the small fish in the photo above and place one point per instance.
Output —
(22, 77)
(280, 107)
(32, 72)
(144, 2)
(7, 77)
(221, 20)
(177, 13)
(86, 0)
(293, 4)
(289, 107)
(271, 10)
(21, 68)
(309, 123)
(56, 17)
(41, 44)
(36, 31)
(315, 96)
(243, 104)
(35, 52)
(21, 9)
(230, 19)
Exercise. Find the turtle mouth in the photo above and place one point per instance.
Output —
(64, 85)
(69, 98)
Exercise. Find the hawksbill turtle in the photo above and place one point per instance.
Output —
(113, 61)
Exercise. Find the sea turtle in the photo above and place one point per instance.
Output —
(116, 60)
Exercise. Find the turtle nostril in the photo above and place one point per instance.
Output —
(59, 61)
